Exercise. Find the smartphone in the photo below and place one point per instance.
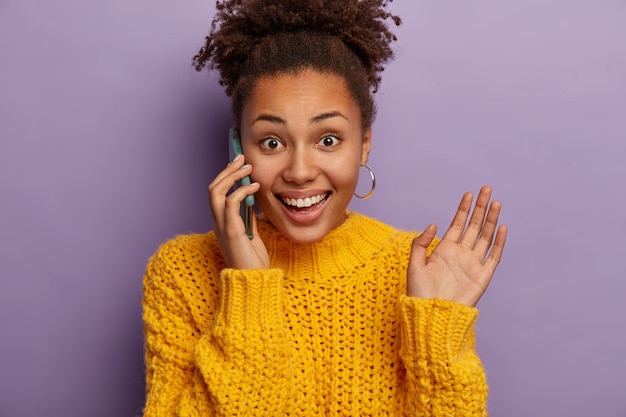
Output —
(247, 205)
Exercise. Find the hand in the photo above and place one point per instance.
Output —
(462, 265)
(240, 252)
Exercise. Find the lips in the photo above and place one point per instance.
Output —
(304, 208)
(304, 202)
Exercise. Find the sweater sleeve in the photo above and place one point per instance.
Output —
(169, 334)
(444, 375)
(245, 359)
(236, 364)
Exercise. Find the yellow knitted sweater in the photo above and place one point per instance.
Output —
(327, 331)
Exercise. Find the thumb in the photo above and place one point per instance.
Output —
(421, 243)
(255, 229)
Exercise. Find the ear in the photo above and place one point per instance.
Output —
(367, 144)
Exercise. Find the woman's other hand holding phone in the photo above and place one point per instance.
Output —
(240, 252)
(463, 263)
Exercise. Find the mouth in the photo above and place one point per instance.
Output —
(304, 204)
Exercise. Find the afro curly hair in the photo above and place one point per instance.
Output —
(250, 39)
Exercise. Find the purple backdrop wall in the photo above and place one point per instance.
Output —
(108, 140)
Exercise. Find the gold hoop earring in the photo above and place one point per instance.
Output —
(373, 177)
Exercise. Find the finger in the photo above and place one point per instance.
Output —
(224, 182)
(232, 209)
(495, 256)
(255, 229)
(421, 243)
(460, 218)
(218, 191)
(489, 228)
(232, 166)
(475, 226)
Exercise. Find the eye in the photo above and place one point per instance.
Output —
(271, 143)
(329, 141)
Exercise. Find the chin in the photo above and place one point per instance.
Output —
(304, 236)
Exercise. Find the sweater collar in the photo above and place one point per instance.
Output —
(343, 251)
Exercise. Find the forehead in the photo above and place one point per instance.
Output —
(304, 93)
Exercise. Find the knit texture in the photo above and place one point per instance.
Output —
(326, 331)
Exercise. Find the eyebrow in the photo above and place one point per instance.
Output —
(269, 118)
(316, 119)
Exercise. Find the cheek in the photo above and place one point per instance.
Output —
(264, 174)
(263, 197)
(345, 172)
(344, 180)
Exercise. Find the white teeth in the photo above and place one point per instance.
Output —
(304, 202)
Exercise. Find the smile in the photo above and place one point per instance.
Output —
(304, 202)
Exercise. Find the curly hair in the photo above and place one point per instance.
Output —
(250, 39)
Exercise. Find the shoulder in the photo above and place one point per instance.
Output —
(379, 228)
(189, 247)
(394, 239)
(185, 255)
(181, 284)
(182, 278)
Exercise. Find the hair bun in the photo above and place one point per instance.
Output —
(240, 25)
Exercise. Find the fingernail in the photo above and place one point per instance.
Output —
(237, 157)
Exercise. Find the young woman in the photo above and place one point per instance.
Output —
(323, 311)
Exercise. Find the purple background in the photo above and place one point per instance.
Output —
(108, 140)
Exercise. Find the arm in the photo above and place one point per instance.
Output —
(444, 376)
(245, 359)
(235, 363)
(170, 336)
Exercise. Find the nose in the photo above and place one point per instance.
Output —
(301, 167)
